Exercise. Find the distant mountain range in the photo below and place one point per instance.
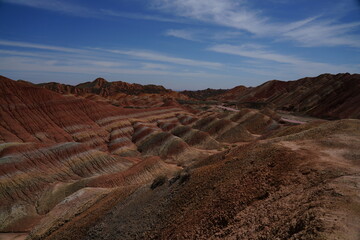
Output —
(118, 93)
(325, 96)
(104, 88)
(204, 94)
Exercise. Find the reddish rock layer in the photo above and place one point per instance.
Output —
(204, 94)
(325, 96)
(104, 88)
(75, 168)
(51, 145)
(119, 93)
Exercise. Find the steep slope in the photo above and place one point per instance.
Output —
(304, 187)
(60, 154)
(326, 96)
(53, 146)
(74, 168)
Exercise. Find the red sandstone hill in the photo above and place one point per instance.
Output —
(204, 94)
(104, 88)
(54, 145)
(327, 96)
(60, 88)
(72, 168)
(118, 93)
(27, 109)
(231, 94)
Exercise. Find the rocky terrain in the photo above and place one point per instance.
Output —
(75, 164)
(326, 96)
(204, 94)
(118, 93)
(104, 88)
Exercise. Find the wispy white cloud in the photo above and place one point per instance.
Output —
(84, 11)
(137, 54)
(182, 33)
(254, 51)
(26, 64)
(104, 63)
(40, 46)
(156, 66)
(19, 53)
(141, 16)
(238, 15)
(264, 64)
(226, 35)
(325, 33)
(55, 5)
(153, 56)
(275, 64)
(41, 65)
(227, 13)
(203, 35)
(46, 59)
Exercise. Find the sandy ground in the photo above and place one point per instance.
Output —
(13, 236)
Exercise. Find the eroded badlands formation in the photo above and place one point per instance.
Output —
(326, 96)
(75, 167)
(119, 93)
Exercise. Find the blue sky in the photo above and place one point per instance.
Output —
(181, 44)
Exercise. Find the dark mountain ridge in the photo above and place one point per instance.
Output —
(104, 88)
(326, 96)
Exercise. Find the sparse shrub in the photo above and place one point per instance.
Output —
(353, 155)
(174, 179)
(158, 181)
(184, 177)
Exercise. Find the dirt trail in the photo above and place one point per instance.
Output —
(291, 121)
(228, 108)
(287, 120)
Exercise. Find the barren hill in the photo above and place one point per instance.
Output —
(118, 93)
(326, 96)
(204, 94)
(104, 88)
(76, 168)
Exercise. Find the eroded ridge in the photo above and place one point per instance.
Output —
(72, 167)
